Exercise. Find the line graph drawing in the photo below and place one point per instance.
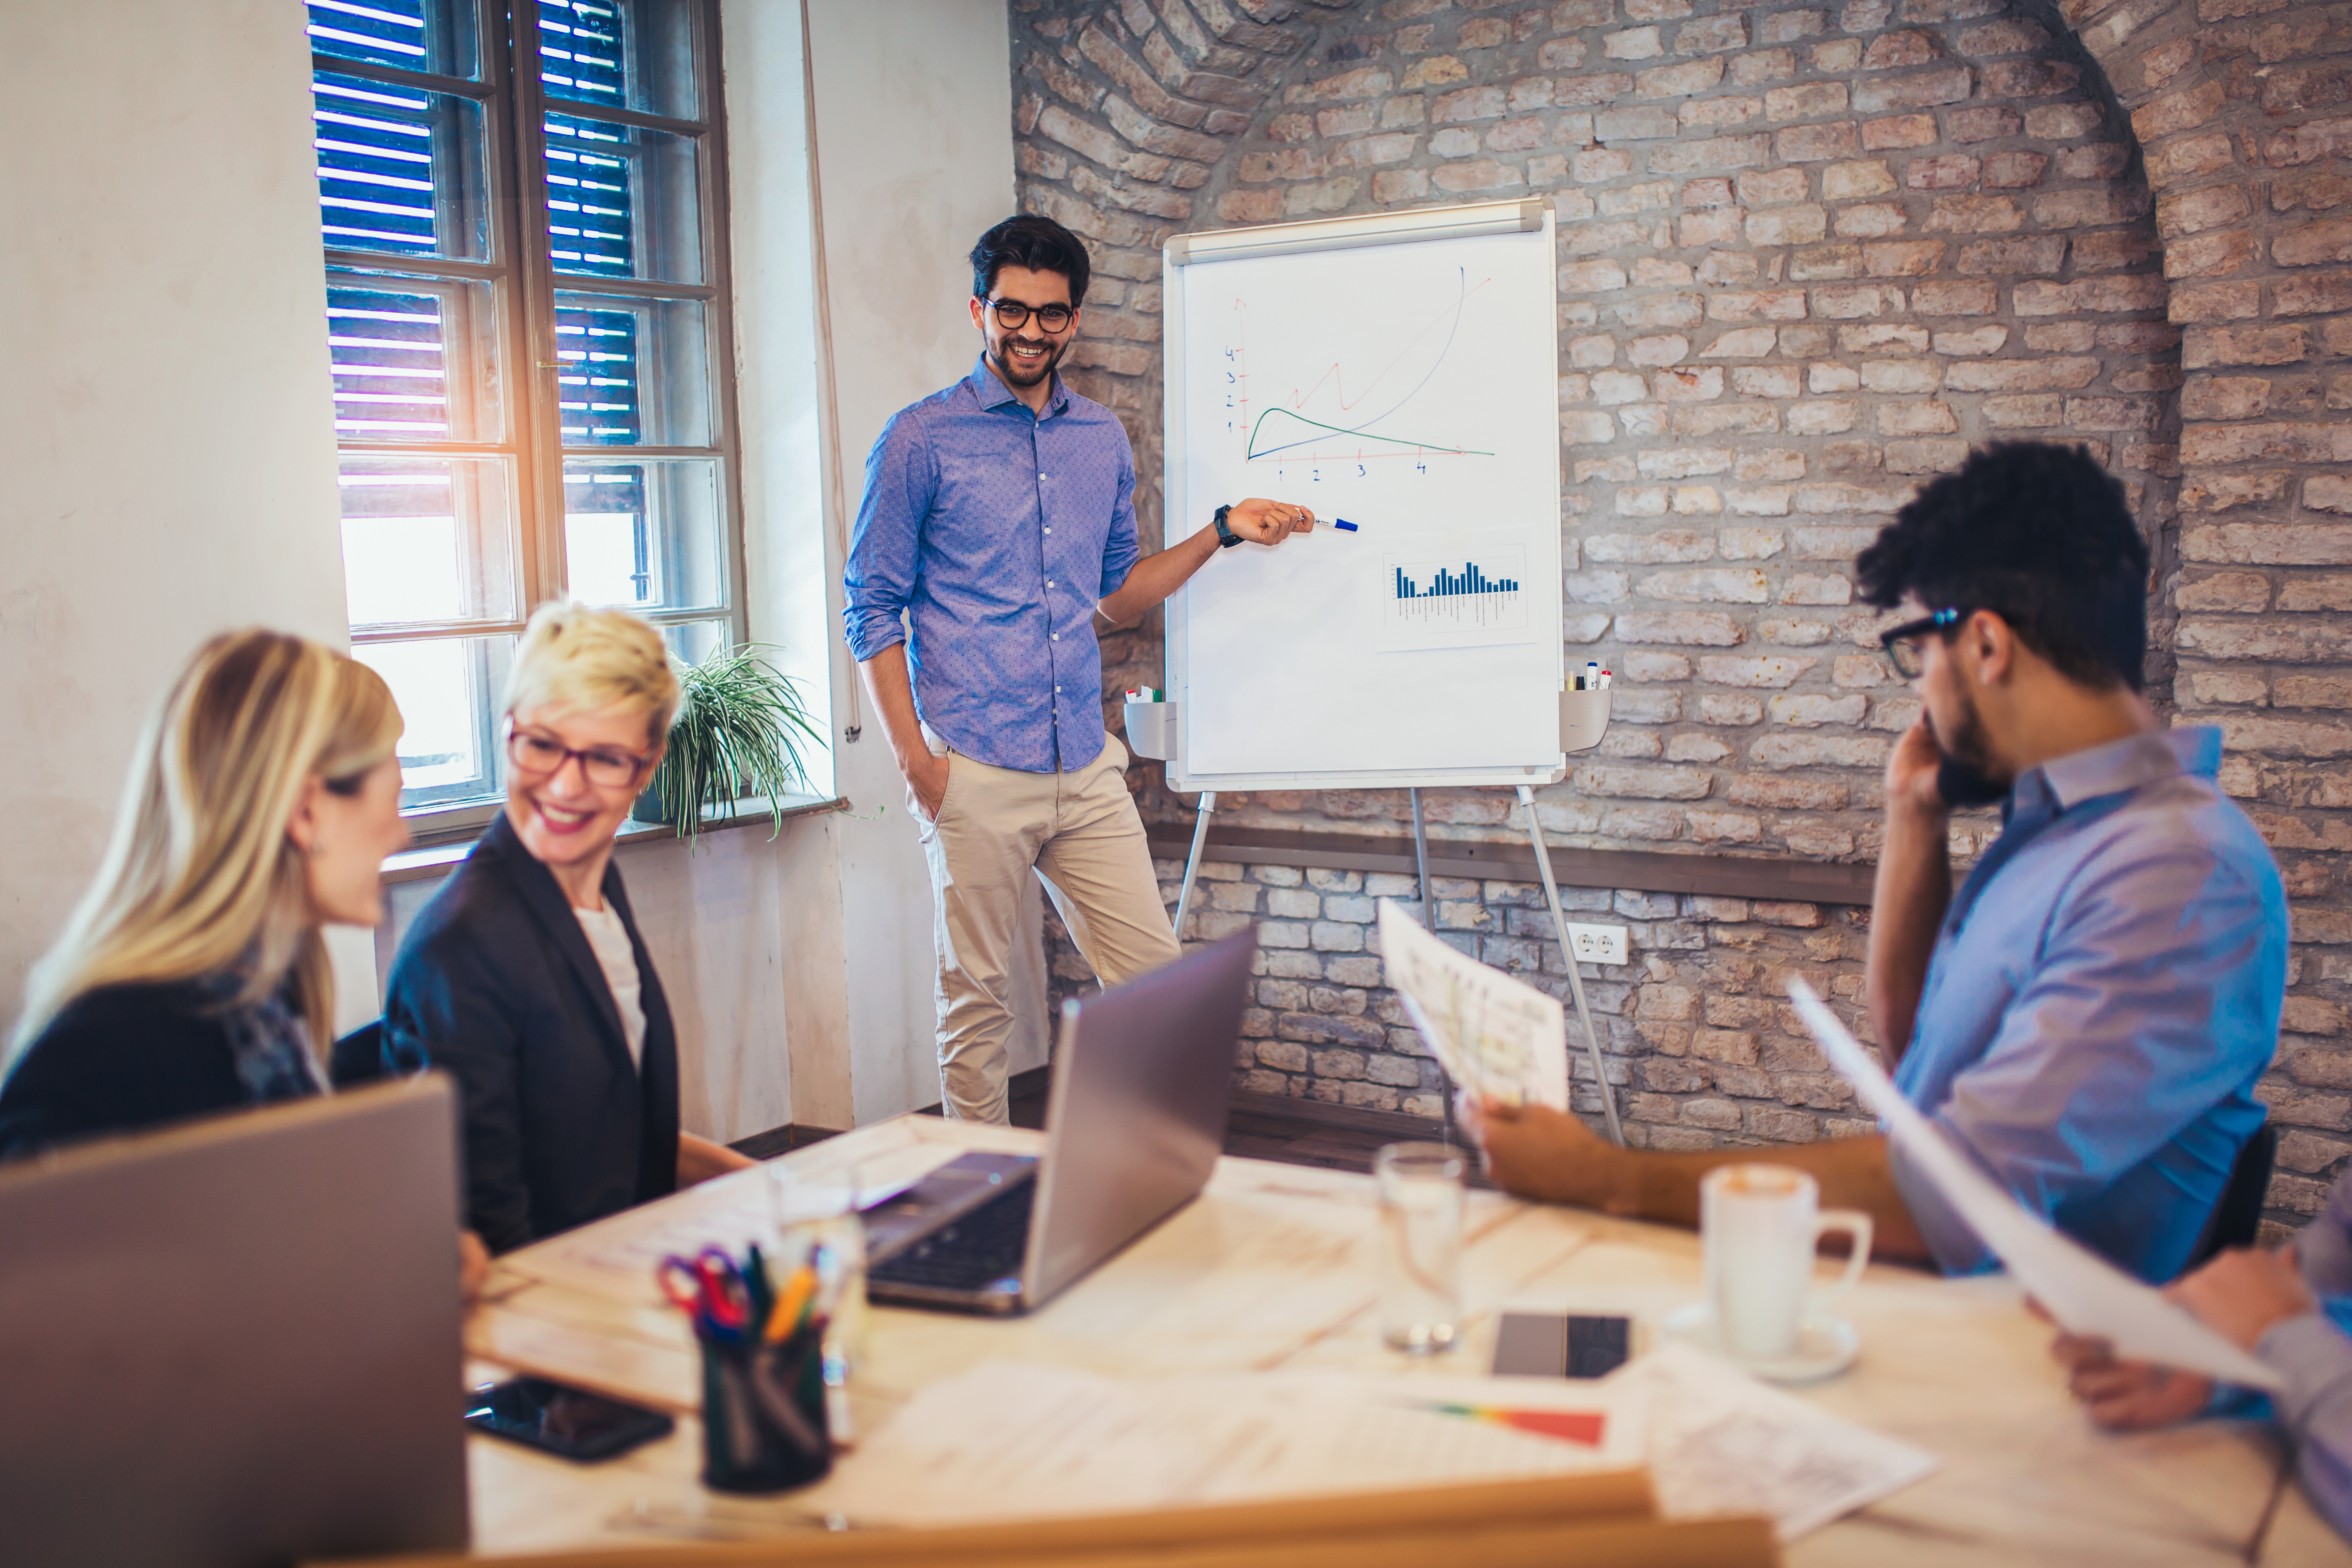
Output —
(1281, 431)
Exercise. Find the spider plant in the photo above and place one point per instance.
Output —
(739, 734)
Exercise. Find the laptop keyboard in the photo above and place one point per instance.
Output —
(975, 1252)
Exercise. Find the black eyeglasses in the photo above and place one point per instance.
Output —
(1010, 314)
(536, 756)
(1902, 643)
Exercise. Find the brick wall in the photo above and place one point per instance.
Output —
(1809, 253)
(1701, 1045)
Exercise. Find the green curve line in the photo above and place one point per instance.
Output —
(1253, 454)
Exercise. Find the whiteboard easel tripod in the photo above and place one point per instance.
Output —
(1400, 370)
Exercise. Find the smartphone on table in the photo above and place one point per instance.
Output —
(570, 1423)
(1548, 1344)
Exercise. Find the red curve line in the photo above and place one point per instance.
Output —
(1299, 399)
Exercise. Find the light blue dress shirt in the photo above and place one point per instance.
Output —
(997, 531)
(2314, 1354)
(2102, 996)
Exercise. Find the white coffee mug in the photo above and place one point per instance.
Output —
(1758, 1226)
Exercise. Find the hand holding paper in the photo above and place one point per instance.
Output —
(1496, 1037)
(2083, 1293)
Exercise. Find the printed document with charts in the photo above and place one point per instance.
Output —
(2083, 1291)
(1012, 1440)
(1496, 1037)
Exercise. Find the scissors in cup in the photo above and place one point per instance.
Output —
(710, 1287)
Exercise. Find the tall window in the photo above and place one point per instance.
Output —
(526, 295)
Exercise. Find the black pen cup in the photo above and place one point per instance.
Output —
(763, 1425)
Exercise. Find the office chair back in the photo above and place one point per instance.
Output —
(358, 1057)
(2238, 1217)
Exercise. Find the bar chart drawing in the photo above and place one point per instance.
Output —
(1469, 580)
(1469, 598)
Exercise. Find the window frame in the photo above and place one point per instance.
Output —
(523, 282)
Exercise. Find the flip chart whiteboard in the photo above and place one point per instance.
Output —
(1399, 372)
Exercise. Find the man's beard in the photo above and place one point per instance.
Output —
(1966, 777)
(1014, 376)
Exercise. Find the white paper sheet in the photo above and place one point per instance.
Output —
(1474, 597)
(2081, 1290)
(1007, 1440)
(619, 1256)
(1722, 1443)
(1495, 1037)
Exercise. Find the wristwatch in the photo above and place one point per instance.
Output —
(1226, 537)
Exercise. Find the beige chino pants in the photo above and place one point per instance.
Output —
(1079, 834)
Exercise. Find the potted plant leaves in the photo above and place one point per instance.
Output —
(739, 735)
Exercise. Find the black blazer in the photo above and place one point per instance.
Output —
(495, 983)
(120, 1059)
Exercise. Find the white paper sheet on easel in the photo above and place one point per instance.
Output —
(2083, 1293)
(1496, 1037)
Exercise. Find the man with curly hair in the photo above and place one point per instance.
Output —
(2087, 1014)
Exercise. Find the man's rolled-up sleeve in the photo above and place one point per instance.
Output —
(1120, 548)
(2314, 1356)
(2324, 1247)
(879, 579)
(2142, 1013)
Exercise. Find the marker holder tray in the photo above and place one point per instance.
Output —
(1151, 729)
(1583, 719)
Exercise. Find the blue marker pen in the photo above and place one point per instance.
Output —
(1341, 523)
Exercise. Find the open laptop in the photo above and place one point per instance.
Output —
(1136, 1118)
(236, 1342)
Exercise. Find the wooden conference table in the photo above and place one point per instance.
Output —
(1272, 1270)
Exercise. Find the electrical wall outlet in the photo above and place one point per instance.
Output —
(1597, 944)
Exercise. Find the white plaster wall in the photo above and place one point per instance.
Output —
(166, 419)
(780, 408)
(709, 913)
(914, 134)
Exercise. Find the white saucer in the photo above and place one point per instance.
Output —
(1825, 1345)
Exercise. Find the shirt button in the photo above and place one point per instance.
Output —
(1057, 691)
(1049, 582)
(1049, 528)
(1058, 637)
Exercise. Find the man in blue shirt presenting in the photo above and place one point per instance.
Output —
(2086, 1016)
(999, 518)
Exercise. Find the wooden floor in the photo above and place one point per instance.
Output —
(1261, 1127)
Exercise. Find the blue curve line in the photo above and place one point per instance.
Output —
(1462, 280)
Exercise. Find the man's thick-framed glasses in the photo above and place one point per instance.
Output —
(1012, 314)
(536, 755)
(1902, 643)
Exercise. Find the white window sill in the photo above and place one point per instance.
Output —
(435, 860)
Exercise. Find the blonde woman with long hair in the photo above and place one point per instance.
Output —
(192, 978)
(526, 977)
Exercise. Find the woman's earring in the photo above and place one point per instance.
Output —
(318, 848)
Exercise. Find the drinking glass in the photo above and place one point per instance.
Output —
(815, 1221)
(1420, 1245)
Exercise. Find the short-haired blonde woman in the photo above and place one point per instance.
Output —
(191, 978)
(526, 977)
